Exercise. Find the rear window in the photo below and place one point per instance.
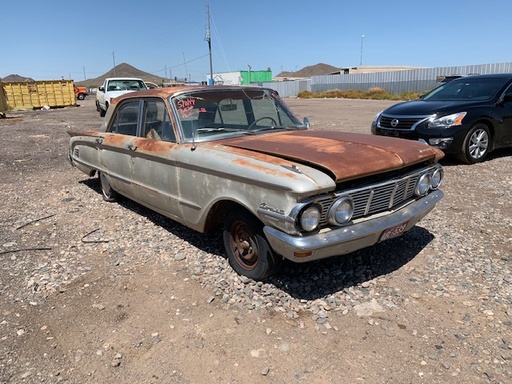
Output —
(467, 89)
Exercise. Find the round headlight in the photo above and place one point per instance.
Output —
(437, 178)
(341, 211)
(310, 218)
(423, 185)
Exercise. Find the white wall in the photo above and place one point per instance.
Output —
(227, 78)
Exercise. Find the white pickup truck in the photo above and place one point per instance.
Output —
(113, 87)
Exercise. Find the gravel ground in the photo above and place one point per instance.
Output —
(89, 290)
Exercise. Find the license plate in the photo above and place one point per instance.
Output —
(395, 231)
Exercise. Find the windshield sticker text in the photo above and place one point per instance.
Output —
(186, 108)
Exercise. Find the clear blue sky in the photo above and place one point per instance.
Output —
(54, 38)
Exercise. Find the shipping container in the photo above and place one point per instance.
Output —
(242, 77)
(3, 101)
(38, 94)
(249, 77)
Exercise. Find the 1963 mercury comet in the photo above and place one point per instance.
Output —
(237, 157)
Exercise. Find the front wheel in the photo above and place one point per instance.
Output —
(248, 251)
(106, 189)
(476, 144)
(81, 96)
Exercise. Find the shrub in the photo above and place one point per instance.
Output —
(374, 93)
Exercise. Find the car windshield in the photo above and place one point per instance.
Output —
(467, 89)
(214, 114)
(126, 85)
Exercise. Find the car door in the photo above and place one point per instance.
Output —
(154, 171)
(117, 147)
(504, 136)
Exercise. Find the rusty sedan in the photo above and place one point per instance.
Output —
(237, 158)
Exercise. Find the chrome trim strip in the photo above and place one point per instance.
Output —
(420, 118)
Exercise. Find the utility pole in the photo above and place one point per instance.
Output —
(114, 61)
(185, 63)
(209, 40)
(361, 61)
(85, 78)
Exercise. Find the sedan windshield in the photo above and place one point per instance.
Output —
(215, 114)
(467, 89)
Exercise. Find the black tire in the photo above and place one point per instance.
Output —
(81, 96)
(248, 251)
(106, 189)
(102, 112)
(477, 144)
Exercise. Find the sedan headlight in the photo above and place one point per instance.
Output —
(429, 181)
(423, 185)
(341, 211)
(436, 178)
(446, 121)
(310, 218)
(376, 118)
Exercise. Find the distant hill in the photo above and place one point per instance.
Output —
(15, 78)
(121, 70)
(311, 70)
(126, 70)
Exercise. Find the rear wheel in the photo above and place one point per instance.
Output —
(106, 189)
(248, 251)
(477, 144)
(81, 96)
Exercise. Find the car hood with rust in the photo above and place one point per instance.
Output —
(344, 156)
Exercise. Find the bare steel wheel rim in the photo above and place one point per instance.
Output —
(478, 143)
(243, 245)
(106, 189)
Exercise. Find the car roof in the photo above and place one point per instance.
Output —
(486, 76)
(166, 92)
(123, 78)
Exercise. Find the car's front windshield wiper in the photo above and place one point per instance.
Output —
(286, 127)
(223, 129)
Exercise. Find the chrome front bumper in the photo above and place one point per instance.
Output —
(343, 240)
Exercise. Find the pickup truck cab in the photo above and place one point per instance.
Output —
(81, 92)
(113, 87)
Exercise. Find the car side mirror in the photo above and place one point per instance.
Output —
(505, 101)
(101, 89)
(306, 122)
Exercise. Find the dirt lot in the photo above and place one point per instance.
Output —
(92, 292)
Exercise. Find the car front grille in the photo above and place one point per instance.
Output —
(375, 198)
(400, 122)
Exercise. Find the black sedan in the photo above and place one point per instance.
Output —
(467, 117)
